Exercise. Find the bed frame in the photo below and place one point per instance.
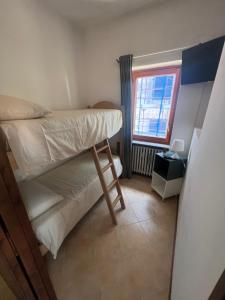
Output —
(117, 146)
(21, 263)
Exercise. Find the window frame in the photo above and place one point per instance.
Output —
(154, 72)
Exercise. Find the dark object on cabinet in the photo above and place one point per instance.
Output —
(169, 168)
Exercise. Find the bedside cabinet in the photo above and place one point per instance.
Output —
(167, 176)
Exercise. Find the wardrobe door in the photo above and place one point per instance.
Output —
(11, 270)
(5, 290)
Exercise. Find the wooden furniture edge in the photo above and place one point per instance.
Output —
(218, 292)
(15, 218)
(106, 105)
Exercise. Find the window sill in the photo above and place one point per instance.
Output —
(155, 145)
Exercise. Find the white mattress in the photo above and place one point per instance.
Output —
(77, 181)
(41, 144)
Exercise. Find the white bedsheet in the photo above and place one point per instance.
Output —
(77, 181)
(40, 144)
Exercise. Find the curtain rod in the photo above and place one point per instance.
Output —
(162, 52)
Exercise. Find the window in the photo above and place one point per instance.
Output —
(154, 98)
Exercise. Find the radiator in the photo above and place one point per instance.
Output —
(143, 158)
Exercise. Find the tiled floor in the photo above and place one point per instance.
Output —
(99, 261)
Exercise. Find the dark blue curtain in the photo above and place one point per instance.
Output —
(126, 94)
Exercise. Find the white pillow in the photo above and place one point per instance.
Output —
(37, 198)
(12, 108)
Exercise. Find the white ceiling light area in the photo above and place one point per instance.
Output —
(88, 12)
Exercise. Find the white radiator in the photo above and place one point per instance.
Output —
(143, 158)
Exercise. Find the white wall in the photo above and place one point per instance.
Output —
(203, 105)
(191, 107)
(40, 54)
(199, 254)
(165, 26)
(43, 59)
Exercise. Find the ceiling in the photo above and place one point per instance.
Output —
(87, 12)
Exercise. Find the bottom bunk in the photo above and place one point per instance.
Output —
(75, 188)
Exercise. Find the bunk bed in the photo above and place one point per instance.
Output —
(47, 151)
(42, 143)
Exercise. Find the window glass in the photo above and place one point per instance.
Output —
(154, 100)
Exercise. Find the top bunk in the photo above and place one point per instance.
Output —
(40, 144)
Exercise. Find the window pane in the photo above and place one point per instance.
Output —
(153, 104)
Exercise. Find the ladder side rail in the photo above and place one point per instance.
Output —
(103, 184)
(119, 191)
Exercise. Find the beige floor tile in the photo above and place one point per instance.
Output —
(149, 295)
(100, 261)
(126, 217)
(122, 291)
(144, 211)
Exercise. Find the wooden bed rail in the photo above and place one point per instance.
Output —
(12, 160)
(8, 151)
(106, 105)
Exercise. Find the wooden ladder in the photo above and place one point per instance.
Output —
(115, 183)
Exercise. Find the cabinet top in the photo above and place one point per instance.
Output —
(162, 155)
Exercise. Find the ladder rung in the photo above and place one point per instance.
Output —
(111, 185)
(116, 200)
(106, 167)
(102, 148)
